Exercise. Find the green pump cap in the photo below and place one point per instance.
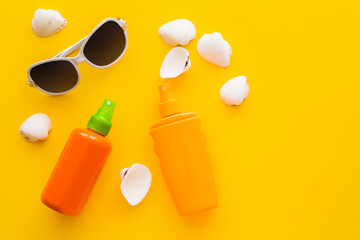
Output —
(101, 121)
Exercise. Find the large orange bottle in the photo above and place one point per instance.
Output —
(184, 162)
(80, 164)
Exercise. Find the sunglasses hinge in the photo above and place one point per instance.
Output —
(31, 84)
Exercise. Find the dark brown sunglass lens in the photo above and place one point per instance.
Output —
(56, 76)
(106, 44)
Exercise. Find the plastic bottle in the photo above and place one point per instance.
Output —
(80, 164)
(185, 164)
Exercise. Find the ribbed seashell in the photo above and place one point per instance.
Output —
(178, 32)
(36, 127)
(175, 63)
(213, 48)
(135, 183)
(234, 91)
(47, 22)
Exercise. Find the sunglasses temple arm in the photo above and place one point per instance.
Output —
(71, 49)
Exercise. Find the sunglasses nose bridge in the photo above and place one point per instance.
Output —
(79, 59)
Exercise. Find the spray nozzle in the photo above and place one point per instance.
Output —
(169, 105)
(101, 121)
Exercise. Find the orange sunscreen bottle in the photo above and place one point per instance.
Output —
(184, 162)
(80, 164)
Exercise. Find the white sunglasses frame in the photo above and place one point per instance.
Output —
(75, 61)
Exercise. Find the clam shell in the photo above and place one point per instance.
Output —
(234, 91)
(178, 32)
(175, 63)
(213, 48)
(47, 22)
(36, 127)
(135, 183)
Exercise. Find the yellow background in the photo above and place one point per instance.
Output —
(286, 161)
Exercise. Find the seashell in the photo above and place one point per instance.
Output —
(178, 32)
(234, 91)
(36, 127)
(135, 183)
(213, 48)
(47, 22)
(175, 63)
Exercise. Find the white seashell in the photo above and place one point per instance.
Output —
(135, 183)
(175, 63)
(47, 22)
(36, 127)
(234, 91)
(213, 48)
(178, 32)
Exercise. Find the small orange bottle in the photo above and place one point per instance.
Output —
(80, 164)
(185, 164)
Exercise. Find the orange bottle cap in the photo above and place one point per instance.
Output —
(169, 105)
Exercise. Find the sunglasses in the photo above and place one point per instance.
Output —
(103, 47)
